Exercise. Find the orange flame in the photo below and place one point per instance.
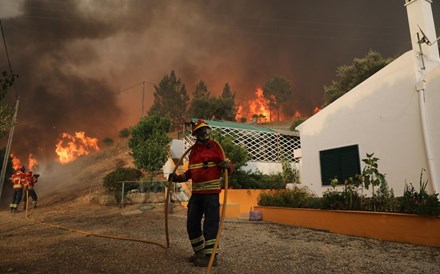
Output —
(258, 107)
(69, 147)
(32, 162)
(16, 163)
(297, 115)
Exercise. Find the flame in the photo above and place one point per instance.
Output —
(16, 163)
(69, 147)
(32, 162)
(257, 107)
(239, 112)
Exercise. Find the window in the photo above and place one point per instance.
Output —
(341, 163)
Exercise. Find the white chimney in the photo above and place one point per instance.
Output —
(421, 22)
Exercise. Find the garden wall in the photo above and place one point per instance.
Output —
(245, 199)
(405, 228)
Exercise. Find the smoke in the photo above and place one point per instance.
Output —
(81, 63)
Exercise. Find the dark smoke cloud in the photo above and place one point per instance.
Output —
(77, 58)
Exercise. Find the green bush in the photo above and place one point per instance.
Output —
(297, 197)
(124, 133)
(420, 203)
(256, 180)
(111, 181)
(108, 141)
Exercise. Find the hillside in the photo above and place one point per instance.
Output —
(67, 182)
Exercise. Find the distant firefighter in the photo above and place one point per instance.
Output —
(31, 180)
(18, 180)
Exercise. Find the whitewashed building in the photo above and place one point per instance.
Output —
(394, 114)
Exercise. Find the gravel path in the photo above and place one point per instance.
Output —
(246, 247)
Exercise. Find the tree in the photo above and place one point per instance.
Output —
(349, 76)
(238, 154)
(228, 104)
(227, 92)
(170, 100)
(149, 143)
(6, 112)
(277, 90)
(218, 108)
(201, 90)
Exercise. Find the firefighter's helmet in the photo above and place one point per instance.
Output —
(199, 124)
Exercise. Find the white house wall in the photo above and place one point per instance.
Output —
(432, 103)
(382, 116)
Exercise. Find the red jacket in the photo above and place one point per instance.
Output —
(203, 169)
(30, 180)
(18, 180)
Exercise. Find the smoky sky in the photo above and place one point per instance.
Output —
(81, 63)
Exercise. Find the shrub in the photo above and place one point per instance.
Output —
(256, 180)
(297, 197)
(333, 199)
(421, 203)
(107, 141)
(124, 133)
(296, 123)
(111, 181)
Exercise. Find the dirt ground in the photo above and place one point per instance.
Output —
(28, 246)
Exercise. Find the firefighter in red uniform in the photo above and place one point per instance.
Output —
(206, 162)
(18, 182)
(31, 180)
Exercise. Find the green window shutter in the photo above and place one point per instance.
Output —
(341, 163)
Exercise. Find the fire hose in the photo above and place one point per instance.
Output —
(222, 217)
(88, 233)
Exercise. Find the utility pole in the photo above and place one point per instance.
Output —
(8, 149)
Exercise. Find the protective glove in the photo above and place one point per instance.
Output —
(226, 164)
(173, 177)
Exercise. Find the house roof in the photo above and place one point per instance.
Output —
(228, 124)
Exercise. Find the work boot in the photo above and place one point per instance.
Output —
(34, 204)
(198, 254)
(204, 261)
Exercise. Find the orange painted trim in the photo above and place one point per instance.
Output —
(245, 198)
(405, 228)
